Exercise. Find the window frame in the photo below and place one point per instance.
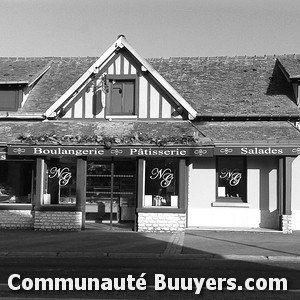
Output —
(122, 78)
(223, 201)
(15, 102)
(182, 189)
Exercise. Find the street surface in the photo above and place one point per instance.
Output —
(104, 267)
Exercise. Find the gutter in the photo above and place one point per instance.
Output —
(228, 117)
(24, 117)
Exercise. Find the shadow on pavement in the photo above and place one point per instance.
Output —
(202, 256)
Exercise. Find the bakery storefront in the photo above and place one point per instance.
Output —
(63, 187)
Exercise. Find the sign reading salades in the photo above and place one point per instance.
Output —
(257, 151)
(114, 151)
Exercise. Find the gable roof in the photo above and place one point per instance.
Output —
(217, 86)
(230, 85)
(145, 66)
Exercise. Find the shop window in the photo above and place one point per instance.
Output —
(231, 179)
(161, 183)
(16, 182)
(60, 181)
(121, 98)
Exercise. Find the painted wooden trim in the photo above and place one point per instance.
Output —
(81, 187)
(182, 187)
(122, 65)
(148, 99)
(83, 103)
(40, 175)
(230, 204)
(18, 206)
(121, 77)
(285, 185)
(160, 106)
(141, 182)
(280, 185)
(288, 185)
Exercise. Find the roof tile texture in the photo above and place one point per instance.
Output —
(230, 85)
(260, 131)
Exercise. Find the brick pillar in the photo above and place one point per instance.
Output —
(286, 224)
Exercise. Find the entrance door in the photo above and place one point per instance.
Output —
(111, 191)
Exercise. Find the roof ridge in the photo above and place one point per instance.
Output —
(225, 57)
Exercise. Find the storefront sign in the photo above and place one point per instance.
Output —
(63, 175)
(164, 175)
(232, 176)
(257, 151)
(119, 152)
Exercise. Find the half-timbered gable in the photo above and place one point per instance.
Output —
(121, 88)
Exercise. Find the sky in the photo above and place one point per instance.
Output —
(154, 28)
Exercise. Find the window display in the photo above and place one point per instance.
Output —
(16, 182)
(231, 178)
(161, 183)
(60, 185)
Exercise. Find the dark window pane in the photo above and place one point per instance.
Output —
(16, 182)
(60, 186)
(116, 99)
(121, 100)
(161, 183)
(128, 98)
(232, 177)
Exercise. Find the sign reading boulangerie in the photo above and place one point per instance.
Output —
(114, 151)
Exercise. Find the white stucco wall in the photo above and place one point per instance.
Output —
(296, 194)
(261, 196)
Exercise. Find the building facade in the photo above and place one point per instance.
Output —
(161, 144)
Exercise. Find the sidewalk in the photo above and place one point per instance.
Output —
(213, 244)
(193, 244)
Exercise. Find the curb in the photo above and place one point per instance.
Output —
(270, 258)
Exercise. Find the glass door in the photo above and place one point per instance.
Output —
(111, 191)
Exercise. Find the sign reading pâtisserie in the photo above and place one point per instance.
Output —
(114, 151)
(257, 151)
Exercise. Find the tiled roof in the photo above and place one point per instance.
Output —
(291, 64)
(62, 74)
(21, 69)
(230, 85)
(144, 131)
(260, 131)
(240, 86)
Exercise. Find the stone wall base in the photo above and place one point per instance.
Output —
(16, 219)
(161, 222)
(286, 224)
(58, 220)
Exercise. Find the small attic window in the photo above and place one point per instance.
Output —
(121, 100)
(9, 100)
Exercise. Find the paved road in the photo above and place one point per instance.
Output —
(171, 268)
